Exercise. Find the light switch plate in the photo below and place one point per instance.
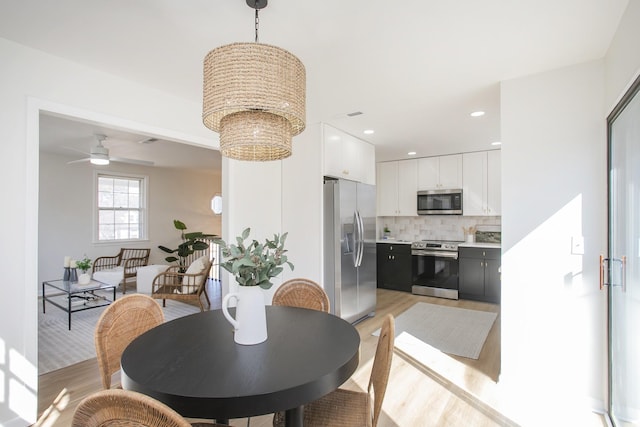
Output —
(577, 245)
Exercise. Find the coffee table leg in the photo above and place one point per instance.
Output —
(294, 417)
(43, 297)
(69, 312)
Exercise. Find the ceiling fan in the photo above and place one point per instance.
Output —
(99, 155)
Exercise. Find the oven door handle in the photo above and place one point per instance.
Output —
(453, 255)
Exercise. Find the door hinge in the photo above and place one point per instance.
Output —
(613, 272)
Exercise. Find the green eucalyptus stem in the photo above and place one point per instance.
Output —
(256, 263)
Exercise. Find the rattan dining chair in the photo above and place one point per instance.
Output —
(303, 293)
(126, 408)
(121, 322)
(348, 408)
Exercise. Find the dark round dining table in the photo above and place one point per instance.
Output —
(193, 365)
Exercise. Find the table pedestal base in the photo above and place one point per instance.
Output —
(294, 417)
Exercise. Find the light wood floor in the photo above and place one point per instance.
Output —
(452, 391)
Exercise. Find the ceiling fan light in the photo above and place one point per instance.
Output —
(99, 159)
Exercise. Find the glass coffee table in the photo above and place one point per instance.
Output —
(77, 297)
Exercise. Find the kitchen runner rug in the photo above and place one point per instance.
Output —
(452, 330)
(59, 347)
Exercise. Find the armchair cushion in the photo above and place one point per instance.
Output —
(196, 267)
(112, 276)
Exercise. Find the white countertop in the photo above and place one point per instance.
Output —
(460, 245)
(394, 241)
(479, 245)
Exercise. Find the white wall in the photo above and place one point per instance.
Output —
(302, 191)
(553, 190)
(554, 342)
(66, 210)
(276, 197)
(622, 62)
(30, 81)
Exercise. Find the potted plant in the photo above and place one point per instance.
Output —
(84, 265)
(191, 242)
(253, 266)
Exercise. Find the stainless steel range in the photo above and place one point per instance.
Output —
(435, 268)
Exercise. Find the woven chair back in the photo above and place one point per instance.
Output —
(125, 408)
(303, 293)
(128, 253)
(120, 323)
(382, 365)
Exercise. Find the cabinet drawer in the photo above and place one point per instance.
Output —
(490, 253)
(398, 249)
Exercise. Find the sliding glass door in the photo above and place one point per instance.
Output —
(622, 268)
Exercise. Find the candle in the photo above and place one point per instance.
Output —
(73, 263)
(67, 261)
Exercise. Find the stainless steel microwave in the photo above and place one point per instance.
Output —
(440, 202)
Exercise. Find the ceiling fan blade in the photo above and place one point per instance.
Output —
(77, 150)
(132, 161)
(79, 161)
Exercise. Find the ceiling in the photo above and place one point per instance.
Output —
(74, 139)
(415, 69)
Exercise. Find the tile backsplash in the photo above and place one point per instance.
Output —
(436, 227)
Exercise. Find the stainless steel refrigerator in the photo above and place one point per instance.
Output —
(350, 248)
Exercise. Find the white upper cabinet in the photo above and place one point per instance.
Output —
(494, 183)
(397, 185)
(482, 181)
(438, 173)
(348, 157)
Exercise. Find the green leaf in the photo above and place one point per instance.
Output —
(200, 246)
(179, 225)
(194, 235)
(245, 233)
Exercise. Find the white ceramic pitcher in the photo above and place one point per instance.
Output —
(250, 323)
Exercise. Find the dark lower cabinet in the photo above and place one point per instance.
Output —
(394, 266)
(479, 274)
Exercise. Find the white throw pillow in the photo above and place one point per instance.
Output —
(196, 267)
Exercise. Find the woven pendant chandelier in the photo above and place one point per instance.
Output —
(254, 96)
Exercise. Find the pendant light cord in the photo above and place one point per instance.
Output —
(257, 23)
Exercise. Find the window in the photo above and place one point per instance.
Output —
(121, 213)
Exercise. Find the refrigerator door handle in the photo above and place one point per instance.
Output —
(360, 241)
(355, 233)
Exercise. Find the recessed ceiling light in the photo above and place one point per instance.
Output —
(477, 114)
(411, 153)
(369, 132)
(496, 143)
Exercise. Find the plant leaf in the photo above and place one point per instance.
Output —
(179, 225)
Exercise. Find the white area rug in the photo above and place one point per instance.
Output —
(451, 330)
(59, 347)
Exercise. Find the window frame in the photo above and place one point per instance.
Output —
(143, 209)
